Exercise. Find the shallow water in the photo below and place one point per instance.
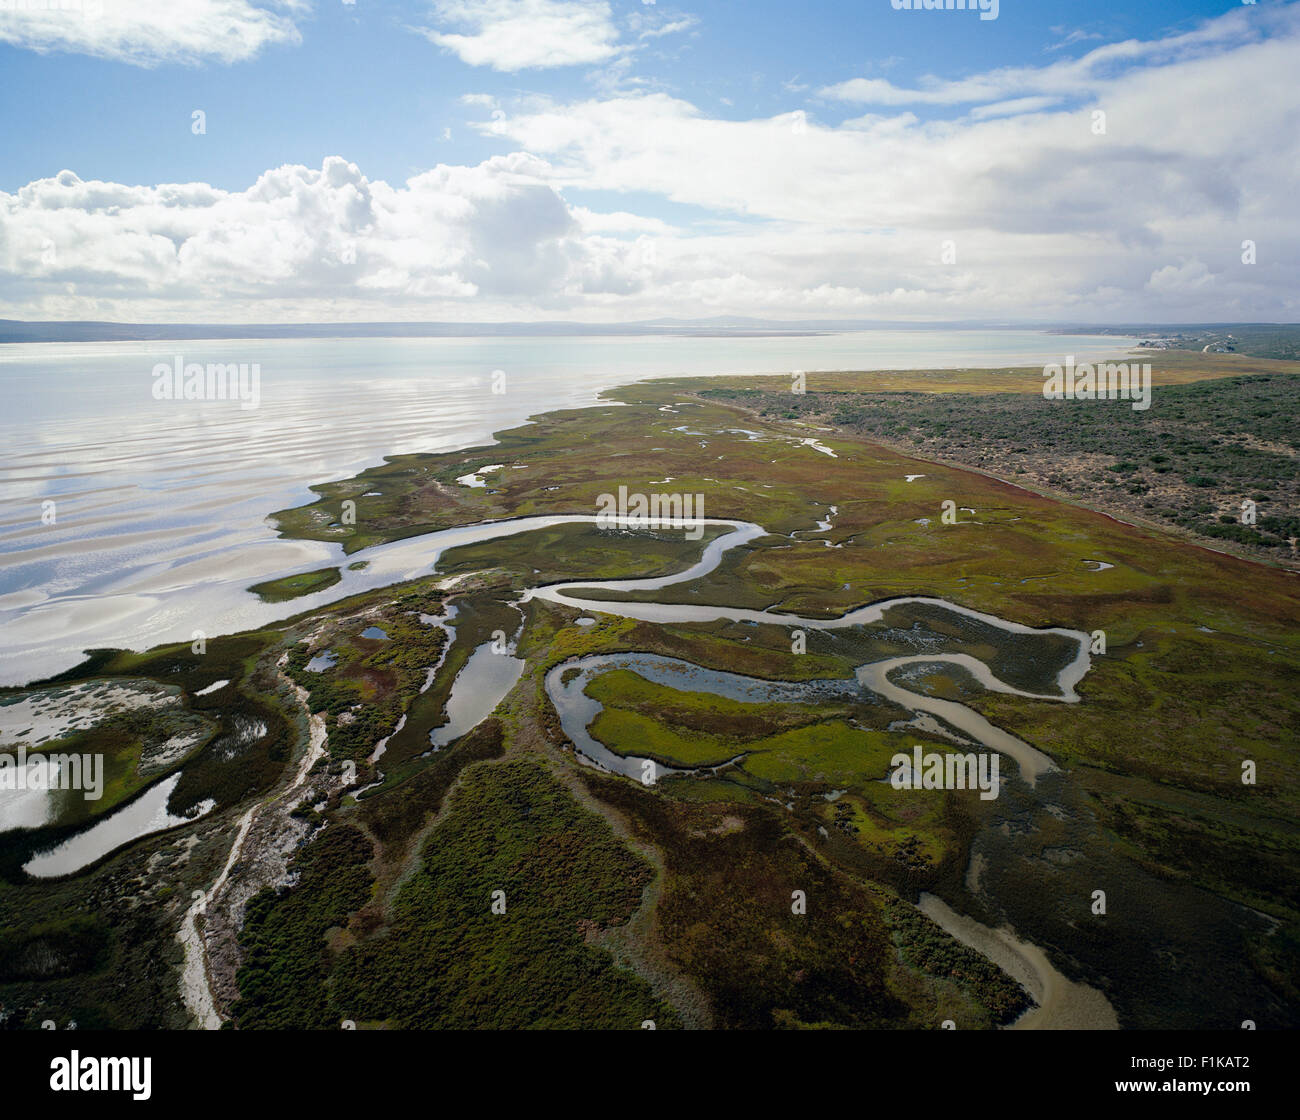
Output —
(1062, 1003)
(161, 506)
(565, 684)
(49, 714)
(487, 677)
(33, 807)
(321, 662)
(479, 687)
(147, 814)
(37, 642)
(1032, 762)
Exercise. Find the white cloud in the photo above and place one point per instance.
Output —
(1013, 107)
(494, 235)
(1178, 280)
(655, 25)
(1093, 74)
(148, 32)
(780, 216)
(619, 221)
(513, 35)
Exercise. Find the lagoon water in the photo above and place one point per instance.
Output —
(159, 505)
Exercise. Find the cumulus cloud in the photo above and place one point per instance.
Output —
(496, 234)
(1172, 178)
(780, 216)
(148, 32)
(513, 35)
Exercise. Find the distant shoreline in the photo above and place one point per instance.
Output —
(17, 331)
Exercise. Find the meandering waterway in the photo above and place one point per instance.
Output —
(398, 561)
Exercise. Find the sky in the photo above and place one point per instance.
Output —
(612, 160)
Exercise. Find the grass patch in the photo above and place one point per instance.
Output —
(447, 961)
(293, 587)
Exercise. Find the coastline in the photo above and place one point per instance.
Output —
(876, 550)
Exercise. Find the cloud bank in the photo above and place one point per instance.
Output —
(1019, 206)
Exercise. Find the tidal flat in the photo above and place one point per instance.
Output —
(365, 881)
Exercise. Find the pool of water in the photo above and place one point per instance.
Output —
(146, 814)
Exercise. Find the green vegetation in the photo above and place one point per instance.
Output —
(113, 968)
(372, 680)
(673, 902)
(395, 816)
(1254, 865)
(829, 752)
(726, 917)
(295, 586)
(1275, 341)
(448, 961)
(683, 728)
(282, 981)
(58, 948)
(924, 945)
(568, 552)
(1189, 461)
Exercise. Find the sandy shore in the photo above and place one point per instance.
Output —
(1062, 1004)
(200, 989)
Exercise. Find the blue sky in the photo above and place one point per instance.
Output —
(361, 84)
(551, 118)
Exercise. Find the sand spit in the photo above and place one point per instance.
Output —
(1062, 1004)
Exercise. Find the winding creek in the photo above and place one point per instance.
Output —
(1059, 1002)
(487, 677)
